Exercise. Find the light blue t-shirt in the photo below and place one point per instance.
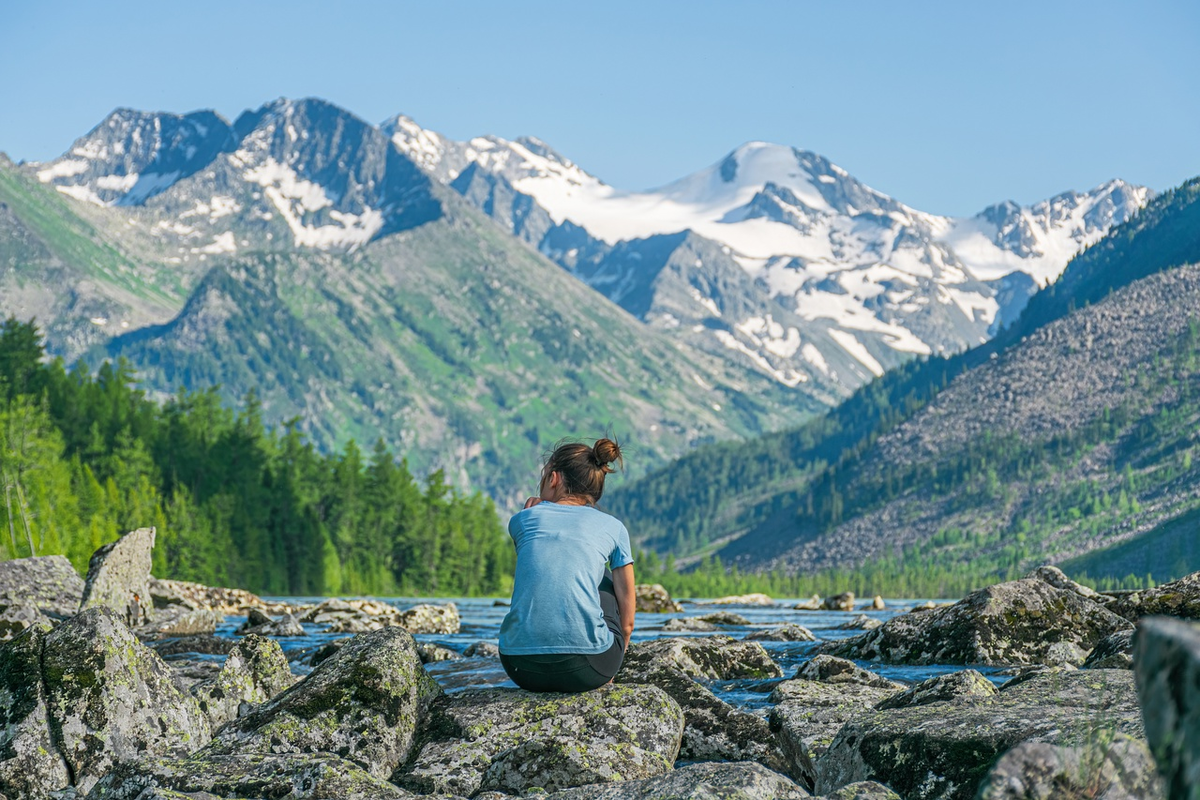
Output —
(561, 554)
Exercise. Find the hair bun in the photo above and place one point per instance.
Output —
(605, 452)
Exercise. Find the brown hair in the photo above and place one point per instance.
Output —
(583, 468)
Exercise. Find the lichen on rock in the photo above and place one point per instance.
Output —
(717, 657)
(254, 671)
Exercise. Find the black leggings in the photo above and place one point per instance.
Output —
(571, 672)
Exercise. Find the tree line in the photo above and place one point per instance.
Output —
(85, 457)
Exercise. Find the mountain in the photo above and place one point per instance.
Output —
(297, 253)
(840, 282)
(1070, 438)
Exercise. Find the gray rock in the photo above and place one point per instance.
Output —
(482, 650)
(733, 781)
(432, 653)
(943, 750)
(512, 740)
(47, 583)
(293, 776)
(1117, 768)
(255, 671)
(808, 715)
(18, 617)
(839, 602)
(206, 644)
(967, 683)
(725, 618)
(718, 657)
(182, 623)
(860, 623)
(652, 598)
(1059, 580)
(1166, 660)
(119, 578)
(285, 626)
(877, 603)
(30, 762)
(330, 649)
(1179, 598)
(811, 604)
(364, 704)
(753, 599)
(194, 596)
(689, 624)
(1018, 622)
(112, 699)
(187, 672)
(1114, 651)
(431, 619)
(863, 790)
(829, 669)
(788, 632)
(713, 729)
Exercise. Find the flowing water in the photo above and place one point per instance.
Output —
(481, 619)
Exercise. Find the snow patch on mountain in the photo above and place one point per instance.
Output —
(298, 202)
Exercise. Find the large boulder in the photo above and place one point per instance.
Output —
(428, 618)
(1167, 665)
(258, 623)
(48, 583)
(839, 602)
(951, 686)
(511, 740)
(320, 776)
(30, 762)
(254, 671)
(733, 781)
(175, 623)
(118, 578)
(716, 657)
(830, 669)
(1117, 769)
(364, 703)
(788, 632)
(113, 699)
(1179, 598)
(944, 750)
(1114, 651)
(652, 598)
(1027, 621)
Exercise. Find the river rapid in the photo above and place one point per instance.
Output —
(481, 619)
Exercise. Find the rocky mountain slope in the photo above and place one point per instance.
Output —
(777, 257)
(1072, 433)
(297, 252)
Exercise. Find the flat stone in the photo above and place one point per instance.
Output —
(512, 740)
(725, 781)
(944, 750)
(1166, 662)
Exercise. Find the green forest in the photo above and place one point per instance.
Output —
(85, 457)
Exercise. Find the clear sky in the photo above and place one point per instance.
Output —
(946, 106)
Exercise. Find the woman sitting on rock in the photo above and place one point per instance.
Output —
(573, 602)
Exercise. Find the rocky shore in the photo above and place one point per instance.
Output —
(1100, 700)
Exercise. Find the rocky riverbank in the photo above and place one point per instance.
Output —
(90, 710)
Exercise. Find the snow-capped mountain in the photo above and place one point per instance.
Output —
(832, 267)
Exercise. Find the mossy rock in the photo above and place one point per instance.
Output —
(30, 764)
(714, 657)
(254, 671)
(727, 781)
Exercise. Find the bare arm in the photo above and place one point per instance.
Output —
(622, 578)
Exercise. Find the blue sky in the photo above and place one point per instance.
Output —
(946, 106)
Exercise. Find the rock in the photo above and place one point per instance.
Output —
(482, 650)
(187, 672)
(725, 618)
(839, 602)
(194, 596)
(431, 619)
(295, 776)
(364, 703)
(111, 698)
(811, 604)
(755, 599)
(863, 790)
(719, 657)
(1179, 598)
(358, 624)
(860, 623)
(1122, 769)
(287, 625)
(967, 683)
(17, 617)
(327, 611)
(733, 781)
(433, 653)
(507, 604)
(1058, 579)
(47, 583)
(652, 598)
(31, 765)
(205, 644)
(119, 578)
(330, 649)
(255, 671)
(788, 632)
(1018, 622)
(808, 715)
(1166, 661)
(713, 729)
(877, 604)
(689, 624)
(828, 669)
(1114, 651)
(512, 740)
(187, 623)
(945, 749)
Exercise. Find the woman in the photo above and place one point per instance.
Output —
(571, 617)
